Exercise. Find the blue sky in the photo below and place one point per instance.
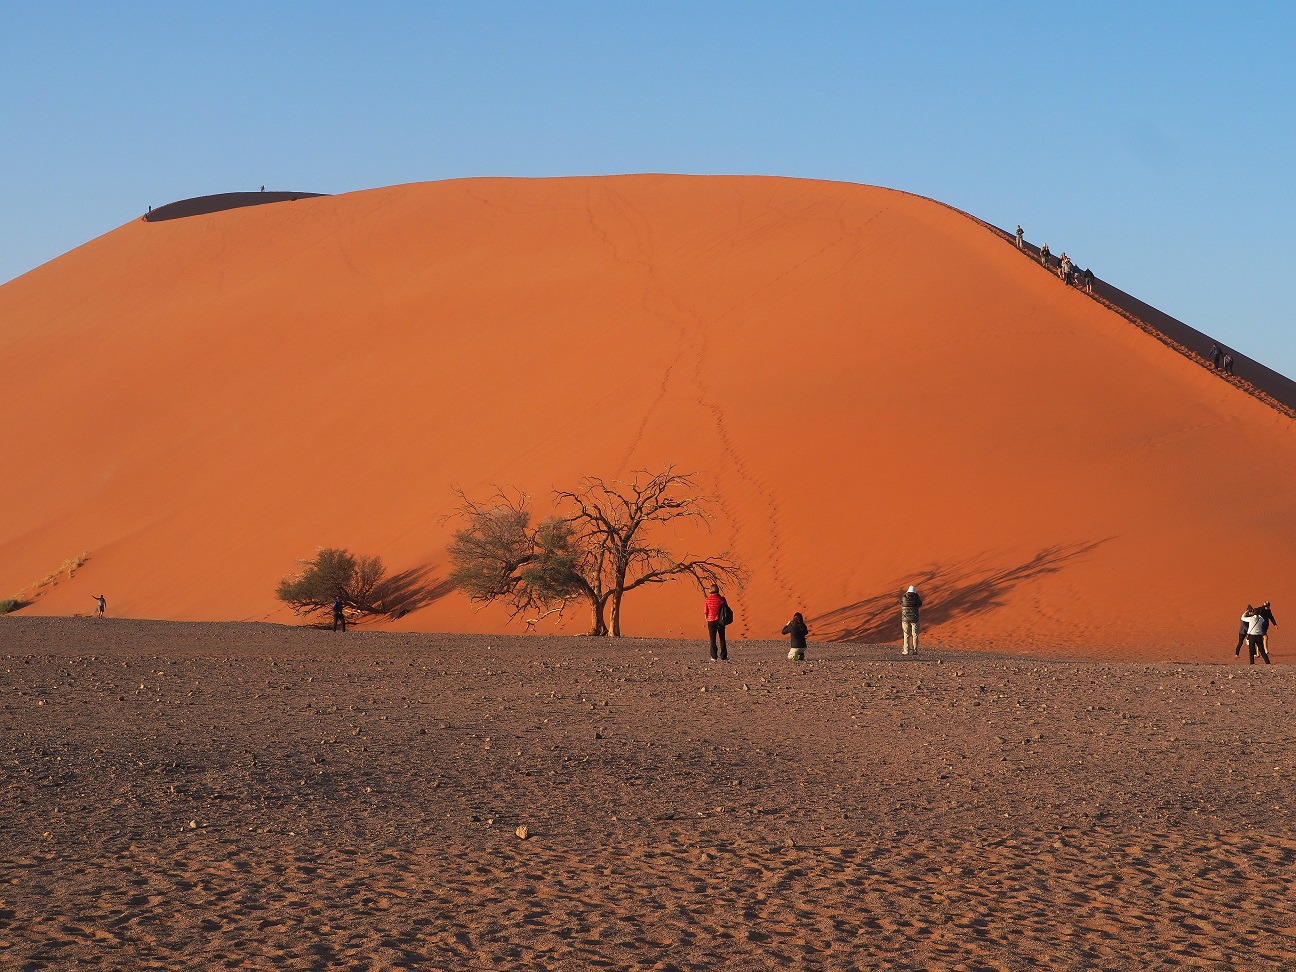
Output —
(1152, 141)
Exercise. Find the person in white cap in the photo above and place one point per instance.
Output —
(910, 602)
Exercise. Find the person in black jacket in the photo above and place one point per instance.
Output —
(910, 602)
(798, 630)
(1265, 611)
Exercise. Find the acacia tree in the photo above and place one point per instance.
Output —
(597, 551)
(499, 556)
(335, 573)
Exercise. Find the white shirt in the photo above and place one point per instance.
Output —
(1256, 624)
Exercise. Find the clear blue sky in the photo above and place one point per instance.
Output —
(1152, 141)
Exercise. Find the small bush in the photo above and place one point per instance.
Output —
(331, 574)
(10, 604)
(70, 565)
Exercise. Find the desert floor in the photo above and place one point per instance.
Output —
(233, 796)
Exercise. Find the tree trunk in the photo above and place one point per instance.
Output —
(618, 592)
(598, 627)
(616, 612)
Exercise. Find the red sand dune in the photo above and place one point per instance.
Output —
(877, 390)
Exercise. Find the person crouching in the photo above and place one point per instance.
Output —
(797, 629)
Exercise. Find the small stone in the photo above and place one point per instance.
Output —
(597, 734)
(522, 832)
(193, 824)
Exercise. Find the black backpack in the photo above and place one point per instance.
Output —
(726, 614)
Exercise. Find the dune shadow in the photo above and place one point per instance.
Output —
(953, 591)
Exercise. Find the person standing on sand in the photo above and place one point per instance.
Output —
(1020, 237)
(1242, 630)
(1228, 364)
(1064, 269)
(1044, 255)
(101, 605)
(338, 616)
(910, 602)
(798, 630)
(1265, 610)
(1214, 356)
(1087, 278)
(1257, 627)
(714, 607)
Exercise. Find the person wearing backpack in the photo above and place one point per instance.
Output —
(718, 614)
(798, 630)
(910, 602)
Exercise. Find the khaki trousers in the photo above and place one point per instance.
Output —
(909, 634)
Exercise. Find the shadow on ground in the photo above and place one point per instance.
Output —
(949, 592)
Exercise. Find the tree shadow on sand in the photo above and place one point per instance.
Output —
(411, 590)
(396, 597)
(960, 590)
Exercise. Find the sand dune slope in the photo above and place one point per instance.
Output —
(877, 390)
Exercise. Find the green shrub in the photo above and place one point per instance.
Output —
(331, 574)
(10, 604)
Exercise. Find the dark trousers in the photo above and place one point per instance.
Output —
(1254, 644)
(339, 619)
(1242, 631)
(714, 629)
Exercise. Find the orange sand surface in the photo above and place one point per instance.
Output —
(231, 796)
(877, 390)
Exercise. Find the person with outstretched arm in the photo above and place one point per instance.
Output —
(101, 605)
(798, 631)
(1265, 610)
(714, 609)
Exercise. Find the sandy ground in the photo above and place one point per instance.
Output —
(225, 796)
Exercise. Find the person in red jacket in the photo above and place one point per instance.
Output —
(714, 602)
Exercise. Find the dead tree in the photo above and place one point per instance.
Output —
(613, 521)
(597, 552)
